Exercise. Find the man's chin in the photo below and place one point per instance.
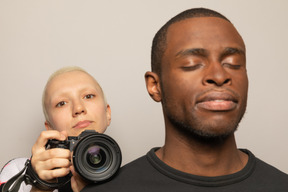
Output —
(209, 133)
(211, 137)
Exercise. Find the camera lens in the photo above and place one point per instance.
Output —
(96, 157)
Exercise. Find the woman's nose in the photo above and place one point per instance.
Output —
(78, 108)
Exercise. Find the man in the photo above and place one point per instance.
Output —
(199, 75)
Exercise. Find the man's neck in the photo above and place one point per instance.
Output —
(202, 159)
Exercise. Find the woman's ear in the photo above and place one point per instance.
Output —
(108, 114)
(153, 86)
(47, 125)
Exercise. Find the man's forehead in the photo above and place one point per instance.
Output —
(201, 29)
(199, 23)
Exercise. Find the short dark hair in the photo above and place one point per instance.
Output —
(159, 40)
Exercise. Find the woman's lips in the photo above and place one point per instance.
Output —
(82, 124)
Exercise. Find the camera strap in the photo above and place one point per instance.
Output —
(28, 175)
(13, 184)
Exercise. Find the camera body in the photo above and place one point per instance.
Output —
(96, 157)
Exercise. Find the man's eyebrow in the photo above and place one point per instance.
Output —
(193, 51)
(232, 51)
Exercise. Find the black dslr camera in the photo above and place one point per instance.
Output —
(96, 157)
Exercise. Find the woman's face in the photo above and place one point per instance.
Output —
(75, 102)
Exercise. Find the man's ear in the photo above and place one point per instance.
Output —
(153, 86)
(47, 125)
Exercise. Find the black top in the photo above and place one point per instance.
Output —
(149, 173)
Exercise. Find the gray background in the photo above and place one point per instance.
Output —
(112, 40)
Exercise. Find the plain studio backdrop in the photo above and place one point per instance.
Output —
(112, 41)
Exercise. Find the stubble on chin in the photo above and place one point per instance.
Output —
(205, 131)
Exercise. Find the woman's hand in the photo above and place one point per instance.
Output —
(52, 163)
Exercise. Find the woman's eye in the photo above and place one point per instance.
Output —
(89, 96)
(60, 104)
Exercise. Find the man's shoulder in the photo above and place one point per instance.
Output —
(263, 168)
(133, 173)
(267, 176)
(136, 167)
(259, 168)
(135, 164)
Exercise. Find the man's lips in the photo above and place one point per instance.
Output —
(82, 124)
(217, 101)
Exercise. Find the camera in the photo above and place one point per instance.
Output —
(96, 157)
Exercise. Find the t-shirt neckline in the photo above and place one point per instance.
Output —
(202, 180)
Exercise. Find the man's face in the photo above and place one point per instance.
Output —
(75, 102)
(204, 82)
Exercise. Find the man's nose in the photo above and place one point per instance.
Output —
(216, 75)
